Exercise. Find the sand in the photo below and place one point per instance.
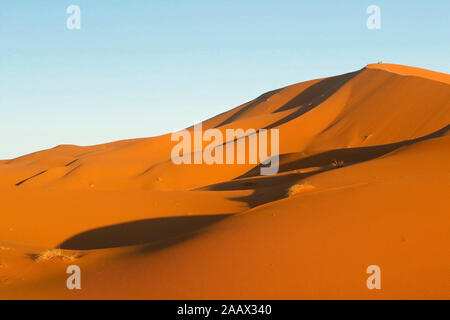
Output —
(364, 180)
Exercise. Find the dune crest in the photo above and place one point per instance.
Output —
(411, 71)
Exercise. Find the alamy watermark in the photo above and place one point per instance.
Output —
(73, 22)
(222, 151)
(74, 280)
(374, 280)
(374, 20)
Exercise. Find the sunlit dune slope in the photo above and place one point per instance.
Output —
(364, 179)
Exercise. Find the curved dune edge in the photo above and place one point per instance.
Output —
(411, 71)
(364, 179)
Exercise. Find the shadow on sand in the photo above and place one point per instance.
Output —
(292, 169)
(158, 233)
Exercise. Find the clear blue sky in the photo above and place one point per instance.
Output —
(142, 68)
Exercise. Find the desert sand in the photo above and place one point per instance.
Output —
(364, 180)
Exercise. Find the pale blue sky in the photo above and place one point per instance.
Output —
(142, 68)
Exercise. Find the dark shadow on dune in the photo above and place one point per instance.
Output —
(313, 96)
(252, 183)
(347, 155)
(158, 233)
(71, 162)
(271, 188)
(166, 243)
(307, 100)
(25, 180)
(265, 189)
(249, 106)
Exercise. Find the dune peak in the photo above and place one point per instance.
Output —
(411, 71)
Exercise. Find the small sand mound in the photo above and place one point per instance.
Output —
(54, 255)
(299, 187)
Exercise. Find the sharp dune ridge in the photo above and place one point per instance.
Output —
(363, 179)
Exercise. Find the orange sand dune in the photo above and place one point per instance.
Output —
(364, 180)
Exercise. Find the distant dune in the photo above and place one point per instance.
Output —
(364, 180)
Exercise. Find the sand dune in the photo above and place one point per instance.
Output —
(364, 179)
